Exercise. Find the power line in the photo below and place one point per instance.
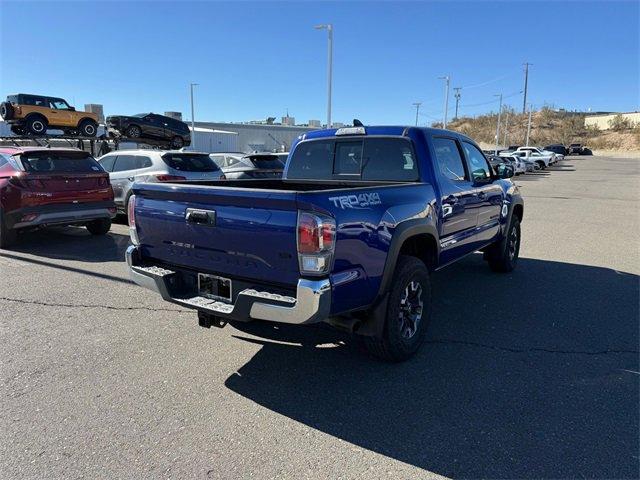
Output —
(488, 82)
(492, 101)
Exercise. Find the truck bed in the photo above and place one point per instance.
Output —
(291, 185)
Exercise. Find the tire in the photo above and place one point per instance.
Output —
(503, 256)
(7, 111)
(541, 164)
(409, 297)
(99, 227)
(37, 125)
(8, 236)
(177, 143)
(133, 131)
(18, 130)
(88, 128)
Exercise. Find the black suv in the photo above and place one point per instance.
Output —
(151, 127)
(557, 148)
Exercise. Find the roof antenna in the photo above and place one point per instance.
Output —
(357, 123)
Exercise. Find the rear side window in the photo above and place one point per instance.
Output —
(131, 162)
(266, 162)
(368, 159)
(60, 162)
(107, 162)
(449, 160)
(190, 162)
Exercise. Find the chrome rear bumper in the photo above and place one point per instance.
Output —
(312, 303)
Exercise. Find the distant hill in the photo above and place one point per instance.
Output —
(547, 127)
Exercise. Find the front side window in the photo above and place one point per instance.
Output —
(477, 163)
(449, 160)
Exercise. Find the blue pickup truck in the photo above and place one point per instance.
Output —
(349, 236)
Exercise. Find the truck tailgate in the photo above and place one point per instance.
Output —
(248, 234)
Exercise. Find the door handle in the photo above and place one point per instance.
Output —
(131, 179)
(451, 200)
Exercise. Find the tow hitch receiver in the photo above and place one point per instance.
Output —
(207, 321)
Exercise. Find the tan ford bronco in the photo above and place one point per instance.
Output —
(34, 114)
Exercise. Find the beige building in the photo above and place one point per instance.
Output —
(603, 121)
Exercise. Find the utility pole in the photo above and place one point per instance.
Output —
(446, 99)
(528, 127)
(526, 85)
(193, 121)
(329, 28)
(417, 105)
(457, 97)
(498, 125)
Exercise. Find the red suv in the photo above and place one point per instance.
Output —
(52, 186)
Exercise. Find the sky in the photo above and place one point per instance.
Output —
(253, 60)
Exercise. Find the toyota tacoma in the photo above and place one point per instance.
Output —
(349, 236)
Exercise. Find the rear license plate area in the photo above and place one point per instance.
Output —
(214, 287)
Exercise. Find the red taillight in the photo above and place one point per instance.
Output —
(169, 178)
(308, 233)
(316, 241)
(315, 233)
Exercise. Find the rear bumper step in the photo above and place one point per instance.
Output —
(312, 303)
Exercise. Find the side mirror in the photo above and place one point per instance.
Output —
(72, 109)
(505, 171)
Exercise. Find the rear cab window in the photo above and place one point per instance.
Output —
(193, 162)
(59, 162)
(355, 158)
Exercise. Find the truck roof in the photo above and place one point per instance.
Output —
(393, 130)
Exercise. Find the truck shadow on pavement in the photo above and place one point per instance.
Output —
(525, 375)
(73, 243)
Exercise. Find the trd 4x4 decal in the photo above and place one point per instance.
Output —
(362, 200)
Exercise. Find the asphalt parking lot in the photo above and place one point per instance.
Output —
(526, 375)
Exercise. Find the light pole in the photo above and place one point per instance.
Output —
(193, 122)
(417, 105)
(526, 86)
(446, 99)
(329, 28)
(498, 125)
(528, 127)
